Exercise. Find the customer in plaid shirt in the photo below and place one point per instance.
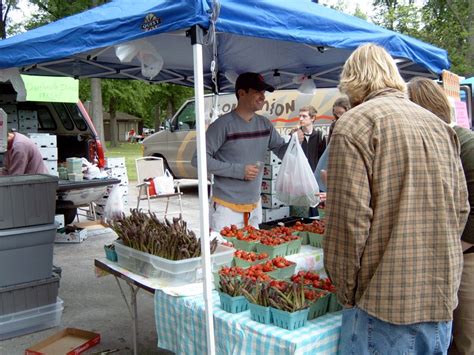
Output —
(396, 207)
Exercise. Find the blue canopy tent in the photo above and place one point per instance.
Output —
(202, 43)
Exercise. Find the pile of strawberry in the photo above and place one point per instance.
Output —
(316, 226)
(255, 273)
(274, 236)
(250, 256)
(280, 262)
(313, 279)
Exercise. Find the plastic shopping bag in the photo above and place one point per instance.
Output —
(114, 207)
(164, 184)
(296, 184)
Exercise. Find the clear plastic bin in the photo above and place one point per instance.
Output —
(189, 270)
(30, 321)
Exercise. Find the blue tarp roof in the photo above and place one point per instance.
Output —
(292, 37)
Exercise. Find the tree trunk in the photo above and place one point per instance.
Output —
(97, 109)
(113, 122)
(157, 118)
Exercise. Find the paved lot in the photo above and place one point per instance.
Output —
(95, 304)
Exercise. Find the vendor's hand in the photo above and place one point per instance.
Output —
(300, 135)
(251, 172)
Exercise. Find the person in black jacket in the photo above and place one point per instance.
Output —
(314, 142)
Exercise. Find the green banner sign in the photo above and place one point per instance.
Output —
(51, 89)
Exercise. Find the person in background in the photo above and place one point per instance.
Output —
(396, 206)
(430, 96)
(236, 146)
(340, 106)
(22, 157)
(314, 143)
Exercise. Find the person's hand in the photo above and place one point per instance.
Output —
(300, 135)
(251, 172)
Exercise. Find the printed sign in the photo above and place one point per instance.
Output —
(451, 84)
(462, 119)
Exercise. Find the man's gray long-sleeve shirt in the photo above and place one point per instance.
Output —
(231, 144)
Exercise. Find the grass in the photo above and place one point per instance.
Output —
(130, 151)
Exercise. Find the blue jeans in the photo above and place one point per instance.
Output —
(363, 334)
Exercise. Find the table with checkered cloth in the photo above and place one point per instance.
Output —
(181, 328)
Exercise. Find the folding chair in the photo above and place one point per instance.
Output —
(152, 167)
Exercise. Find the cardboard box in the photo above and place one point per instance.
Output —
(274, 214)
(49, 153)
(69, 341)
(272, 158)
(268, 186)
(270, 172)
(115, 163)
(71, 235)
(3, 131)
(270, 201)
(59, 220)
(52, 166)
(44, 140)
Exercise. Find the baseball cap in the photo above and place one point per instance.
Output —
(254, 81)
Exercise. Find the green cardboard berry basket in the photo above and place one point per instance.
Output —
(334, 305)
(272, 250)
(320, 307)
(316, 240)
(294, 247)
(286, 272)
(244, 245)
(260, 314)
(322, 213)
(244, 263)
(303, 236)
(231, 304)
(275, 274)
(289, 320)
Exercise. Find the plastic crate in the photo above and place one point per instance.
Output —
(260, 314)
(272, 251)
(289, 320)
(26, 254)
(244, 245)
(29, 295)
(316, 240)
(294, 247)
(320, 307)
(30, 321)
(176, 272)
(233, 304)
(27, 200)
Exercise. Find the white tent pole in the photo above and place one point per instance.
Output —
(196, 40)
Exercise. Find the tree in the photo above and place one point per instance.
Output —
(5, 7)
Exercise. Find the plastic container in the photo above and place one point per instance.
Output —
(272, 250)
(26, 254)
(233, 304)
(289, 320)
(244, 245)
(29, 295)
(27, 200)
(294, 247)
(176, 272)
(260, 314)
(30, 321)
(75, 176)
(319, 307)
(74, 165)
(316, 240)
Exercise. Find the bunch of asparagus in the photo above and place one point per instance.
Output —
(169, 240)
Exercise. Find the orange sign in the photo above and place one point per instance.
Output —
(451, 84)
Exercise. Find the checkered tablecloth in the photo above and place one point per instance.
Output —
(180, 324)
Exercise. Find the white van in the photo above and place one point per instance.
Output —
(176, 144)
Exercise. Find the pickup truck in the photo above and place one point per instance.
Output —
(76, 137)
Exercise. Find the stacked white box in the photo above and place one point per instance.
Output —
(272, 158)
(111, 163)
(270, 172)
(115, 168)
(27, 121)
(268, 186)
(270, 201)
(273, 214)
(12, 116)
(47, 145)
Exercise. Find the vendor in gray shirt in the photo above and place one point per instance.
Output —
(236, 145)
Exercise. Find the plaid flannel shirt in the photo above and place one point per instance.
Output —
(396, 206)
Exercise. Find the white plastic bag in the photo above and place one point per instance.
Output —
(150, 59)
(296, 184)
(114, 206)
(164, 184)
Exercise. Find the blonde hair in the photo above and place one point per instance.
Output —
(368, 69)
(310, 109)
(429, 95)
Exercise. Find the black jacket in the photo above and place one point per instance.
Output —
(314, 147)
